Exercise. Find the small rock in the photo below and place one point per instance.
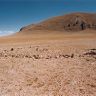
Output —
(72, 55)
(36, 56)
(12, 49)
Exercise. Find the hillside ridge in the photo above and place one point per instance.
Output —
(69, 22)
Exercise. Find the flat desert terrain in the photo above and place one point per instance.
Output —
(48, 64)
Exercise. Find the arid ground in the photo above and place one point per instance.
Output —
(51, 64)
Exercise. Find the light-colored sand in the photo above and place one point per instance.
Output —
(48, 65)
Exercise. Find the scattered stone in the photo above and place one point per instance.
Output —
(37, 49)
(93, 49)
(91, 85)
(72, 55)
(90, 53)
(13, 55)
(5, 50)
(27, 56)
(45, 49)
(48, 57)
(12, 49)
(5, 55)
(36, 56)
(66, 56)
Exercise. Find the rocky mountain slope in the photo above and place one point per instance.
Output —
(69, 22)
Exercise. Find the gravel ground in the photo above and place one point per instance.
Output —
(55, 68)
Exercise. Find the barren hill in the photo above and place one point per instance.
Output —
(69, 22)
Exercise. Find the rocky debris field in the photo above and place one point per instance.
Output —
(47, 71)
(34, 53)
(37, 52)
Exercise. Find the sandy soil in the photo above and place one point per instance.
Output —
(48, 65)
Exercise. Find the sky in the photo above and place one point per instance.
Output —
(15, 14)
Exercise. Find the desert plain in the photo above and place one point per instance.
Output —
(48, 64)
